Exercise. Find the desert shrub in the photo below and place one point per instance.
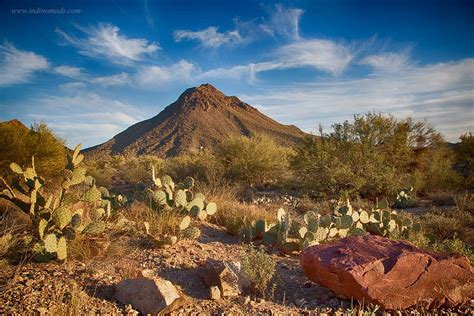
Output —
(434, 171)
(465, 158)
(203, 167)
(451, 245)
(259, 267)
(130, 170)
(102, 172)
(138, 169)
(18, 144)
(454, 245)
(372, 156)
(253, 160)
(449, 223)
(233, 213)
(441, 226)
(465, 202)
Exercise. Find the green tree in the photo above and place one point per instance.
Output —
(19, 144)
(253, 160)
(371, 156)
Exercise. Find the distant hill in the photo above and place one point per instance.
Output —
(202, 116)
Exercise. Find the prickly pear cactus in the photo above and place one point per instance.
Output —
(94, 228)
(53, 220)
(191, 233)
(291, 236)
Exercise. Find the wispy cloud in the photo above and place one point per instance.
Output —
(18, 66)
(105, 41)
(83, 117)
(68, 71)
(388, 62)
(283, 22)
(443, 93)
(209, 37)
(120, 79)
(286, 21)
(151, 76)
(72, 85)
(323, 55)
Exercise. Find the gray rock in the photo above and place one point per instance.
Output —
(227, 275)
(147, 295)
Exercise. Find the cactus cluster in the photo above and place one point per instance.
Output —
(292, 236)
(166, 194)
(185, 231)
(179, 197)
(404, 198)
(54, 221)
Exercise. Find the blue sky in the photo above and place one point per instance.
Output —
(90, 69)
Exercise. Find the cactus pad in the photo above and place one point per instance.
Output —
(185, 223)
(61, 217)
(211, 208)
(188, 183)
(62, 249)
(50, 243)
(180, 198)
(94, 228)
(192, 233)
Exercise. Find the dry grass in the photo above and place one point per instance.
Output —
(161, 222)
(11, 236)
(231, 211)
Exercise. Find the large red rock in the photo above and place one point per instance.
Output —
(392, 274)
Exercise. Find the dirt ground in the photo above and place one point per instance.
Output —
(35, 288)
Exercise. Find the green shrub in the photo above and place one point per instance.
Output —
(372, 156)
(259, 267)
(455, 245)
(465, 158)
(253, 160)
(434, 171)
(203, 167)
(137, 169)
(131, 170)
(18, 144)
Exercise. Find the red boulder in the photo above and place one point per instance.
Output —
(392, 274)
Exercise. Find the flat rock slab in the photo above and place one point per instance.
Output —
(392, 274)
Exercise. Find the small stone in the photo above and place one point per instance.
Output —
(244, 300)
(214, 293)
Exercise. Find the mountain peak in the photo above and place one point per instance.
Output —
(206, 96)
(202, 117)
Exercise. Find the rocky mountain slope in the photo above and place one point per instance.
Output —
(201, 117)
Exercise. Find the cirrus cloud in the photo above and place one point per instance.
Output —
(105, 41)
(18, 66)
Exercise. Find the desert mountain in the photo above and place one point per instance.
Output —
(202, 116)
